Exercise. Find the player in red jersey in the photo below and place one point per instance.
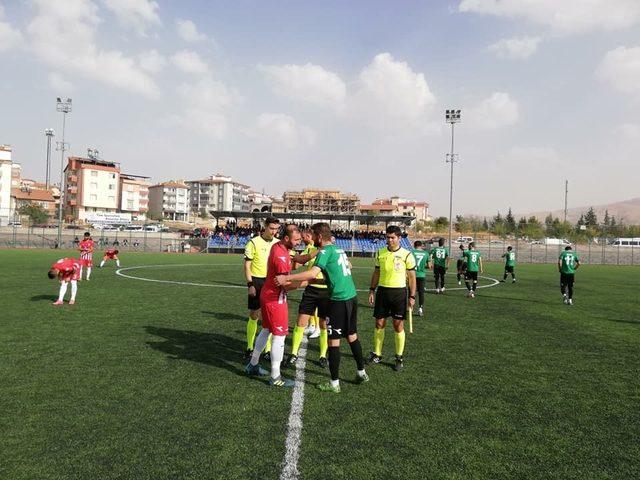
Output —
(86, 254)
(274, 308)
(68, 271)
(110, 254)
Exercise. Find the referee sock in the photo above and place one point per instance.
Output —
(267, 348)
(400, 343)
(378, 340)
(324, 342)
(252, 328)
(298, 333)
(356, 350)
(334, 363)
(313, 321)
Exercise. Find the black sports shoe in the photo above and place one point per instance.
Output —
(323, 362)
(247, 354)
(291, 361)
(399, 363)
(373, 358)
(267, 357)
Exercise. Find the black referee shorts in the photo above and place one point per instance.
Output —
(390, 302)
(312, 298)
(342, 318)
(254, 302)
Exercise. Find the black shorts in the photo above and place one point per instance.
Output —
(254, 302)
(508, 268)
(312, 298)
(390, 302)
(461, 265)
(342, 318)
(420, 283)
(439, 270)
(567, 278)
(471, 276)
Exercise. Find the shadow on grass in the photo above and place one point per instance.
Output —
(517, 299)
(41, 298)
(212, 349)
(224, 315)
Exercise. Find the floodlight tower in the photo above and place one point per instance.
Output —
(63, 106)
(49, 134)
(452, 117)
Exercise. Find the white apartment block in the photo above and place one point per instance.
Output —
(91, 186)
(134, 196)
(5, 184)
(170, 200)
(218, 193)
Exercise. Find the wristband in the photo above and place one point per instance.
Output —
(413, 297)
(249, 284)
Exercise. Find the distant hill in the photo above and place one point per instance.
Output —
(628, 211)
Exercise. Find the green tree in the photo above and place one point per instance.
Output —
(510, 222)
(35, 212)
(590, 218)
(441, 223)
(485, 225)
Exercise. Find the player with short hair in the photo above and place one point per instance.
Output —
(473, 260)
(68, 271)
(256, 254)
(86, 247)
(110, 254)
(342, 311)
(461, 266)
(509, 265)
(274, 308)
(314, 303)
(440, 256)
(422, 265)
(388, 293)
(568, 263)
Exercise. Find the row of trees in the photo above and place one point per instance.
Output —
(587, 226)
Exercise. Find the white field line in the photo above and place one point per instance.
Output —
(217, 285)
(294, 428)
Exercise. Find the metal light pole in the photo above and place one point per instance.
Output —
(49, 133)
(452, 117)
(63, 106)
(566, 194)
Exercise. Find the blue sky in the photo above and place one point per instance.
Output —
(347, 95)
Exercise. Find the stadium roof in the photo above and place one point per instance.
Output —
(363, 219)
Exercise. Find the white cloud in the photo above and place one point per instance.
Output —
(60, 85)
(139, 15)
(152, 61)
(499, 110)
(188, 31)
(630, 131)
(9, 36)
(621, 68)
(539, 158)
(517, 47)
(562, 16)
(308, 83)
(62, 34)
(284, 130)
(389, 93)
(189, 62)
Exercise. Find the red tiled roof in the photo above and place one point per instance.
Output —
(35, 194)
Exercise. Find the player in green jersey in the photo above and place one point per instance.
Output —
(440, 256)
(473, 259)
(509, 265)
(342, 311)
(422, 265)
(461, 266)
(568, 263)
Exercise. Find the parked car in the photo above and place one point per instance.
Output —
(185, 233)
(109, 228)
(134, 228)
(14, 224)
(152, 228)
(74, 227)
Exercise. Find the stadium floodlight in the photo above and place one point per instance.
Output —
(451, 116)
(63, 106)
(49, 134)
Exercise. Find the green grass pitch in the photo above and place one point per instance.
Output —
(144, 380)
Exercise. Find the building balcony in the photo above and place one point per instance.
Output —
(72, 189)
(72, 202)
(72, 178)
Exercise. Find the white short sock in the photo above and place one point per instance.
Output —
(74, 289)
(63, 290)
(335, 383)
(261, 341)
(277, 353)
(88, 272)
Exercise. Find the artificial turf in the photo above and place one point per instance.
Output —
(144, 380)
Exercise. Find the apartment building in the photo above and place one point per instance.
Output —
(170, 200)
(134, 196)
(5, 184)
(321, 201)
(26, 195)
(396, 205)
(91, 186)
(218, 193)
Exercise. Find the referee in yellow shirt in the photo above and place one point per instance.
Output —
(388, 293)
(256, 254)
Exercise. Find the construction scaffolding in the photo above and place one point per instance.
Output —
(331, 202)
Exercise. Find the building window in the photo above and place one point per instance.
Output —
(112, 186)
(94, 173)
(112, 198)
(129, 188)
(93, 197)
(130, 204)
(94, 184)
(113, 175)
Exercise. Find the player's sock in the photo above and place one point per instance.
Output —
(81, 268)
(261, 341)
(475, 285)
(400, 342)
(277, 353)
(267, 347)
(88, 272)
(468, 286)
(323, 342)
(63, 291)
(458, 276)
(570, 293)
(118, 263)
(356, 350)
(102, 264)
(74, 290)
(298, 333)
(505, 276)
(252, 328)
(378, 340)
(334, 363)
